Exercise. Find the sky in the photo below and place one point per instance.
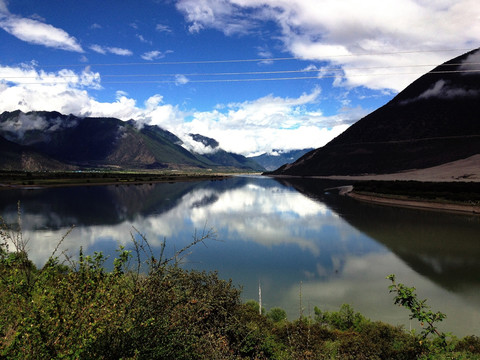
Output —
(256, 75)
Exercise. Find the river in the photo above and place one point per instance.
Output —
(305, 247)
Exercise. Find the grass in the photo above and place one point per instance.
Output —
(60, 178)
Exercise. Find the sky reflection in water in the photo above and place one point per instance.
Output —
(270, 233)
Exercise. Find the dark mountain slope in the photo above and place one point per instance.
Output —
(17, 157)
(96, 142)
(433, 121)
(100, 142)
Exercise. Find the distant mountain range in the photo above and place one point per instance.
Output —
(278, 158)
(52, 141)
(224, 158)
(433, 121)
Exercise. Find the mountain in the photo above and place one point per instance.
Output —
(431, 122)
(17, 157)
(278, 158)
(51, 141)
(219, 156)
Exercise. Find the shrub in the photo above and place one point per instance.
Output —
(344, 319)
(277, 315)
(82, 311)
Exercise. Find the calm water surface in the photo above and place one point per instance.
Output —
(288, 235)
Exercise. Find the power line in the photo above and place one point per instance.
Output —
(325, 56)
(252, 79)
(320, 70)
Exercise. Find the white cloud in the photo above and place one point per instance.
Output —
(181, 80)
(349, 33)
(113, 50)
(442, 89)
(119, 51)
(155, 54)
(248, 127)
(163, 28)
(268, 123)
(217, 14)
(3, 7)
(26, 88)
(142, 39)
(99, 49)
(27, 122)
(37, 32)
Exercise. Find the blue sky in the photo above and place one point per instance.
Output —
(256, 75)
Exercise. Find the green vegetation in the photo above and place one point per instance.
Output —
(57, 178)
(154, 309)
(407, 298)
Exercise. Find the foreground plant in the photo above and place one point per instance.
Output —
(155, 309)
(406, 297)
(83, 311)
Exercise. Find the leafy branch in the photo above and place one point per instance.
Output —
(406, 297)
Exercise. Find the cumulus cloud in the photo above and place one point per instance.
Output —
(249, 127)
(217, 14)
(26, 88)
(37, 32)
(371, 40)
(254, 127)
(112, 50)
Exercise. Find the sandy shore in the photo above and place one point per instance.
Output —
(462, 170)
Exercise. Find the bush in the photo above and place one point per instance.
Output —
(344, 319)
(277, 315)
(82, 311)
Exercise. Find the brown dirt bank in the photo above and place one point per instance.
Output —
(419, 204)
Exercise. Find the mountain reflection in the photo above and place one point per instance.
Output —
(277, 232)
(242, 209)
(442, 246)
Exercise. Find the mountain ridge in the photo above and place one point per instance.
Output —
(432, 121)
(54, 141)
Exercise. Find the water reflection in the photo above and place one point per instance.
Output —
(278, 233)
(445, 247)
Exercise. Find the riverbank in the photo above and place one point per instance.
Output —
(33, 180)
(419, 204)
(441, 196)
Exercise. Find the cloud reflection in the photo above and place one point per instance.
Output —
(269, 215)
(269, 232)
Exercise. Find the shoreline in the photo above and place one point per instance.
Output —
(35, 183)
(416, 204)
